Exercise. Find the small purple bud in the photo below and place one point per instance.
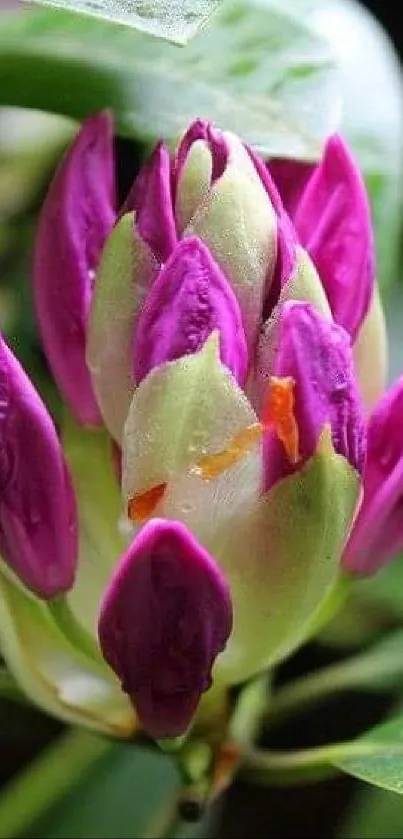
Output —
(286, 237)
(76, 218)
(165, 617)
(377, 534)
(38, 524)
(200, 129)
(333, 222)
(188, 300)
(316, 353)
(151, 199)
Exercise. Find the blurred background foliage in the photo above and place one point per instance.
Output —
(274, 60)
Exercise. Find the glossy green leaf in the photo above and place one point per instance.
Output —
(259, 72)
(168, 19)
(379, 757)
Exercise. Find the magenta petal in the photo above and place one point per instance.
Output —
(291, 178)
(76, 218)
(38, 524)
(317, 354)
(200, 129)
(165, 617)
(286, 237)
(188, 300)
(377, 535)
(333, 222)
(151, 198)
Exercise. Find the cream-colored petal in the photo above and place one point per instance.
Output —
(180, 411)
(193, 183)
(371, 354)
(125, 272)
(52, 673)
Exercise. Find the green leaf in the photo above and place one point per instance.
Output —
(379, 758)
(376, 757)
(177, 22)
(372, 814)
(120, 797)
(259, 72)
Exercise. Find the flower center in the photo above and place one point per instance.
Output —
(278, 415)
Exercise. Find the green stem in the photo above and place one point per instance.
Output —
(377, 669)
(47, 780)
(275, 767)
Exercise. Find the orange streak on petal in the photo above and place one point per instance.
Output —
(279, 414)
(210, 466)
(140, 507)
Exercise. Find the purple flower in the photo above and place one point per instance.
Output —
(76, 218)
(38, 527)
(331, 214)
(219, 344)
(377, 535)
(165, 616)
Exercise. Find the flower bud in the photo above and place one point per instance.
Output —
(333, 223)
(38, 527)
(187, 301)
(377, 535)
(165, 617)
(76, 218)
(315, 356)
(151, 199)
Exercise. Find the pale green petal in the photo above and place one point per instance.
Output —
(281, 556)
(371, 354)
(238, 223)
(183, 409)
(193, 183)
(89, 456)
(124, 275)
(52, 673)
(305, 284)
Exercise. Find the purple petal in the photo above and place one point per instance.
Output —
(317, 354)
(286, 237)
(165, 617)
(76, 218)
(151, 198)
(188, 300)
(333, 222)
(38, 524)
(200, 129)
(377, 535)
(291, 178)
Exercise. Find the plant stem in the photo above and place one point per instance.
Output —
(47, 780)
(378, 669)
(279, 768)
